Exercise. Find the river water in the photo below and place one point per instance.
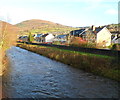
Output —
(34, 76)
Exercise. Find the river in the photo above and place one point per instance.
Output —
(34, 76)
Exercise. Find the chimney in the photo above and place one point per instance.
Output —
(93, 28)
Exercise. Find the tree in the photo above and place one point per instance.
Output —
(30, 38)
(90, 37)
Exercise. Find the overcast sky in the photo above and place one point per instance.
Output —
(67, 12)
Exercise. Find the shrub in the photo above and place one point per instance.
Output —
(116, 47)
(85, 45)
(79, 42)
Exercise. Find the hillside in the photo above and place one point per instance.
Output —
(42, 26)
(9, 27)
(113, 27)
(8, 34)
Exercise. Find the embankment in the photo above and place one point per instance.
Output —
(97, 64)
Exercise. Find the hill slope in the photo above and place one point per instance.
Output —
(42, 26)
(113, 27)
(8, 34)
(9, 27)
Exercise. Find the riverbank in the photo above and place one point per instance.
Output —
(97, 64)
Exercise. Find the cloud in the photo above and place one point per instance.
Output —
(112, 12)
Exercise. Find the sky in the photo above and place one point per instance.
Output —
(76, 13)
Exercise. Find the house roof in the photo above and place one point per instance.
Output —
(61, 36)
(44, 35)
(77, 32)
(23, 37)
(117, 38)
(83, 31)
(39, 35)
(98, 29)
(114, 33)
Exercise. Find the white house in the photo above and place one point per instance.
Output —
(47, 38)
(103, 37)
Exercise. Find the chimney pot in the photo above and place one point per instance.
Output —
(93, 28)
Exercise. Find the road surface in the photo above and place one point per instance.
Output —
(33, 76)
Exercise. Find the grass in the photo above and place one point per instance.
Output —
(81, 53)
(97, 64)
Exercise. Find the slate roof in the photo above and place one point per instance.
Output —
(98, 29)
(118, 37)
(77, 32)
(21, 37)
(61, 36)
(39, 35)
(44, 35)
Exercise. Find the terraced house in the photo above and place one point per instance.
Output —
(100, 35)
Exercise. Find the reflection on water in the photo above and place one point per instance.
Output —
(33, 76)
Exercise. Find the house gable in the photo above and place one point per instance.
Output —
(49, 38)
(104, 37)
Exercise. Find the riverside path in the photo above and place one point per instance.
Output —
(34, 76)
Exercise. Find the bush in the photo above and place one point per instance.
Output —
(85, 45)
(116, 47)
(79, 42)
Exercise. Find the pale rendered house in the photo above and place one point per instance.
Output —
(103, 37)
(47, 38)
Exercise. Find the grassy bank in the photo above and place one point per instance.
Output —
(97, 64)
